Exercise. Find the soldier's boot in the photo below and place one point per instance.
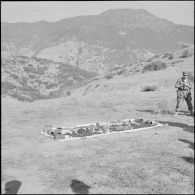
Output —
(177, 110)
(188, 100)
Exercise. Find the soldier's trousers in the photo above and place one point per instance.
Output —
(181, 96)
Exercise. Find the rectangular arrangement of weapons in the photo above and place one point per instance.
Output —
(95, 129)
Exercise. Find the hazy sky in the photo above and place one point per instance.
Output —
(179, 12)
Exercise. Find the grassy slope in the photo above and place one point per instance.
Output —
(154, 161)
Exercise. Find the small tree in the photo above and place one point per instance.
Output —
(171, 56)
(154, 66)
(185, 54)
(68, 93)
(185, 45)
(109, 76)
(149, 88)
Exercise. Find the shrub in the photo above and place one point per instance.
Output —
(53, 94)
(29, 69)
(156, 56)
(154, 66)
(149, 88)
(176, 62)
(41, 70)
(109, 76)
(51, 85)
(7, 85)
(87, 87)
(185, 54)
(15, 76)
(21, 97)
(97, 85)
(171, 56)
(121, 71)
(32, 76)
(68, 93)
(184, 45)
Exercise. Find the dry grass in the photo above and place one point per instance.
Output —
(156, 161)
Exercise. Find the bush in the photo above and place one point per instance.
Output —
(176, 62)
(156, 56)
(68, 93)
(51, 85)
(97, 85)
(184, 45)
(154, 66)
(41, 70)
(121, 72)
(109, 76)
(21, 97)
(185, 54)
(32, 76)
(170, 56)
(29, 69)
(15, 76)
(7, 85)
(149, 88)
(53, 94)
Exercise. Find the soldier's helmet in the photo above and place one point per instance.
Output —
(184, 72)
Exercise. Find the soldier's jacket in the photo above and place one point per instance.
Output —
(184, 87)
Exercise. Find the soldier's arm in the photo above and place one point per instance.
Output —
(189, 85)
(178, 84)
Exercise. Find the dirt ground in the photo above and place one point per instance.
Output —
(153, 161)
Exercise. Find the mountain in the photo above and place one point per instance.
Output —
(96, 43)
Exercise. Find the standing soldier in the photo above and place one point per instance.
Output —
(183, 86)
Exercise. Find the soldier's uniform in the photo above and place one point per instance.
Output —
(183, 93)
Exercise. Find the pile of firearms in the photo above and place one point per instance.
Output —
(95, 128)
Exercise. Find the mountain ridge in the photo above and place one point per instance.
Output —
(96, 44)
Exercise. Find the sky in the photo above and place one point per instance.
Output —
(179, 12)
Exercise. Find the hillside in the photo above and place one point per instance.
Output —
(153, 161)
(96, 43)
(114, 90)
(29, 79)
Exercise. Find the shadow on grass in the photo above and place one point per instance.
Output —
(148, 111)
(181, 125)
(188, 159)
(156, 112)
(191, 144)
(12, 187)
(78, 187)
(184, 128)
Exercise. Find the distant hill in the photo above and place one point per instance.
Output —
(96, 43)
(30, 79)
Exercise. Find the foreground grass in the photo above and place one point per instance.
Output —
(155, 161)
